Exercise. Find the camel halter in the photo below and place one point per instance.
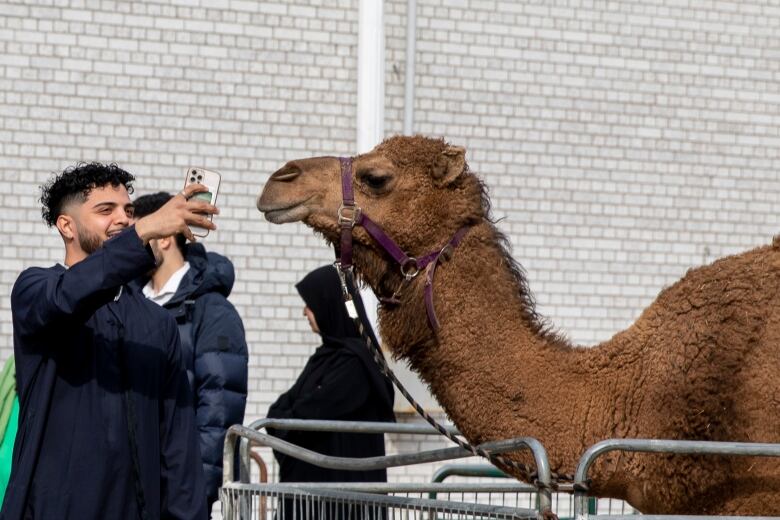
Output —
(351, 215)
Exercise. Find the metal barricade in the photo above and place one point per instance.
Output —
(434, 500)
(475, 472)
(562, 501)
(581, 511)
(299, 502)
(375, 501)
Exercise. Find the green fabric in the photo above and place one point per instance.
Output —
(9, 421)
(7, 448)
(7, 392)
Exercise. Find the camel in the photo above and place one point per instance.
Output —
(701, 362)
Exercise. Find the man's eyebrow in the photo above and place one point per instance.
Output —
(105, 203)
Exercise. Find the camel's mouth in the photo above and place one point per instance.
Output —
(277, 214)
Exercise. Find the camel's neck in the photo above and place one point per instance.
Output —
(489, 365)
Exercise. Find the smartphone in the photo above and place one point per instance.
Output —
(210, 179)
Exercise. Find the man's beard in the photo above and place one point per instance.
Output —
(89, 242)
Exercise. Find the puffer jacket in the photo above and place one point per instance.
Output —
(215, 354)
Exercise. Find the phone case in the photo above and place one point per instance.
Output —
(211, 180)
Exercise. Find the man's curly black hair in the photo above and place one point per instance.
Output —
(75, 183)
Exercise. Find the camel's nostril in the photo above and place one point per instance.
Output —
(285, 174)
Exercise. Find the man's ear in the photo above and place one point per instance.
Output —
(450, 164)
(165, 243)
(66, 226)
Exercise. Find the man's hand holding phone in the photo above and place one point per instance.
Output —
(211, 180)
(177, 215)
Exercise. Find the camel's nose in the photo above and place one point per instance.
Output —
(286, 173)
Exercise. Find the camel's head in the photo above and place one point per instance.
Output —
(416, 188)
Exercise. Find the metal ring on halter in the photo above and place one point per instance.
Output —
(352, 219)
(445, 253)
(409, 268)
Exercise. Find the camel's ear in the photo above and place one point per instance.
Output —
(449, 165)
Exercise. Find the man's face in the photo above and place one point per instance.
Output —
(106, 212)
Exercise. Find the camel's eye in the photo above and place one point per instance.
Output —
(374, 181)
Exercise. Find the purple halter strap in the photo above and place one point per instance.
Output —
(350, 215)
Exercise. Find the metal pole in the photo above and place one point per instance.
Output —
(378, 462)
(411, 50)
(371, 98)
(371, 75)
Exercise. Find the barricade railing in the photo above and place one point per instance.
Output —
(299, 502)
(661, 446)
(373, 463)
(250, 436)
(360, 495)
(330, 426)
(563, 503)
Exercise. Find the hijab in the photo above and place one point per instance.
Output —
(321, 291)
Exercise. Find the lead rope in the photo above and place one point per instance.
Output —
(350, 291)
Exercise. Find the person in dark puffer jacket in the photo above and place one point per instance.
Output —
(194, 285)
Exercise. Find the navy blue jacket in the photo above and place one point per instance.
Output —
(215, 354)
(80, 352)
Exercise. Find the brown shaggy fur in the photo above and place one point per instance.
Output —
(702, 362)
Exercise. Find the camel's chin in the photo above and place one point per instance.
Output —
(285, 215)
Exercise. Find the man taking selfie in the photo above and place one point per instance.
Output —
(106, 426)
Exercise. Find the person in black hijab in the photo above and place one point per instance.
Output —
(341, 381)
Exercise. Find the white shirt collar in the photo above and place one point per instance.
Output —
(170, 287)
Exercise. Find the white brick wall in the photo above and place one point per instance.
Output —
(623, 142)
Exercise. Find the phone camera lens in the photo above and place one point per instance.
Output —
(200, 177)
(192, 179)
